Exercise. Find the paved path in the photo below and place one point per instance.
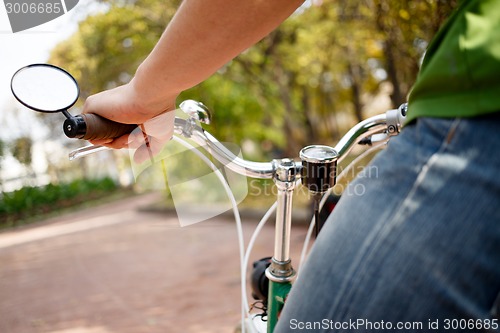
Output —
(117, 269)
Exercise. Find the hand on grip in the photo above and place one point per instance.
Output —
(99, 128)
(145, 140)
(93, 127)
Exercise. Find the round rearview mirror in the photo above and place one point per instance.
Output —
(45, 88)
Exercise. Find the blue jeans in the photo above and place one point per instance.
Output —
(414, 239)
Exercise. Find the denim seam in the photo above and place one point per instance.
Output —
(399, 213)
(378, 235)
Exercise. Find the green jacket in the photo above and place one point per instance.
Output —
(460, 73)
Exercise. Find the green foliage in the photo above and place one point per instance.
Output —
(407, 27)
(3, 149)
(29, 201)
(22, 149)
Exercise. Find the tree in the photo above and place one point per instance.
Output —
(3, 151)
(22, 150)
(407, 27)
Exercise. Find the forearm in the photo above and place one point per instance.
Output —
(202, 37)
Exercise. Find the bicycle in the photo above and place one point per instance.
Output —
(316, 169)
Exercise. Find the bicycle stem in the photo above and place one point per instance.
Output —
(285, 180)
(281, 273)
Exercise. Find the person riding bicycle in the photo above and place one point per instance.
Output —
(422, 244)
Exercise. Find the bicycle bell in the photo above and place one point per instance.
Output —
(196, 110)
(319, 166)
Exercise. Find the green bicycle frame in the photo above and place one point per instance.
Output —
(278, 292)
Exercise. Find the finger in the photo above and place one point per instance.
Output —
(100, 142)
(117, 143)
(121, 142)
(148, 151)
(143, 154)
(161, 126)
(137, 139)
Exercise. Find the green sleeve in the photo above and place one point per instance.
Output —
(460, 74)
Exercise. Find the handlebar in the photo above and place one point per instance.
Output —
(189, 129)
(387, 124)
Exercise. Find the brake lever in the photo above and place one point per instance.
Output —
(84, 151)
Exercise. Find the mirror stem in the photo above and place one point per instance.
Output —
(67, 114)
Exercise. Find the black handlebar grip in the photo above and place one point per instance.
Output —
(90, 126)
(75, 127)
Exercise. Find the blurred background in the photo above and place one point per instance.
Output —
(330, 65)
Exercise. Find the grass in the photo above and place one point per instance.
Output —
(31, 204)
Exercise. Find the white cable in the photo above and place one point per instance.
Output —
(257, 230)
(255, 234)
(239, 228)
(325, 197)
